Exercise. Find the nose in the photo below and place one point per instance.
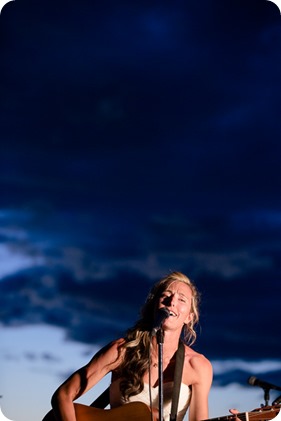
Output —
(172, 300)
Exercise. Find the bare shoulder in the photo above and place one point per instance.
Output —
(109, 356)
(199, 364)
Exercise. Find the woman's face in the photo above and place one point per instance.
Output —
(177, 298)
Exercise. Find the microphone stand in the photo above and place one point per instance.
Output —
(160, 342)
(266, 395)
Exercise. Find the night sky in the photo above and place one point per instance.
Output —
(137, 138)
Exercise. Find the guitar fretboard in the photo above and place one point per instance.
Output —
(262, 414)
(243, 417)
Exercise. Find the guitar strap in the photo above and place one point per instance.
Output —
(102, 401)
(177, 381)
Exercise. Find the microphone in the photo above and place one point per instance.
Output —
(253, 381)
(162, 314)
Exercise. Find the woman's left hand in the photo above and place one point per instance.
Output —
(235, 412)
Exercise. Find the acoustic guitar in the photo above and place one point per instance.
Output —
(138, 411)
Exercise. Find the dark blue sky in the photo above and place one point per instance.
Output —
(138, 138)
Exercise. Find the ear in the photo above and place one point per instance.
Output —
(189, 318)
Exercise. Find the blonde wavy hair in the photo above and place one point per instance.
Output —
(137, 340)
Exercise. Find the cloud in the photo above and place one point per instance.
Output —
(95, 310)
(90, 311)
(93, 244)
(239, 371)
(254, 367)
(86, 274)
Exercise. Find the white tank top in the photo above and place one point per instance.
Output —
(116, 398)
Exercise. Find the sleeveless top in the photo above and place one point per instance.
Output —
(116, 399)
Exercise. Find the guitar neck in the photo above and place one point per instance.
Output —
(261, 414)
(244, 416)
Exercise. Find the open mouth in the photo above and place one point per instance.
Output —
(172, 314)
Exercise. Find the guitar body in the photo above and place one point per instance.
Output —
(134, 411)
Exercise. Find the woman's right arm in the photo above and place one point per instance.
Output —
(106, 360)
